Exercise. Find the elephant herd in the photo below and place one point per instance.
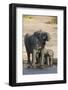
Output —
(36, 45)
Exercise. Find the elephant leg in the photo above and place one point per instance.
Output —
(34, 58)
(51, 60)
(28, 55)
(48, 61)
(38, 59)
(42, 57)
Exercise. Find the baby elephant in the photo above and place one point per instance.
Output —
(47, 56)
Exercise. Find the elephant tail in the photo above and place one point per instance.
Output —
(26, 39)
(27, 42)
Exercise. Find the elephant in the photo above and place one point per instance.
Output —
(48, 55)
(35, 42)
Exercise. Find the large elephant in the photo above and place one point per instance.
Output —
(35, 42)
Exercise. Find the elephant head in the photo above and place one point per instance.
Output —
(42, 37)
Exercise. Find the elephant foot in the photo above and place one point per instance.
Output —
(51, 64)
(36, 62)
(33, 66)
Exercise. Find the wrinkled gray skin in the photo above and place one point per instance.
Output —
(34, 42)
